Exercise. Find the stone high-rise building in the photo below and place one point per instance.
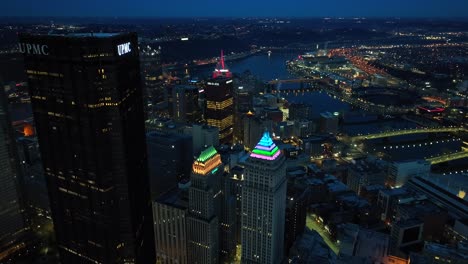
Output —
(263, 204)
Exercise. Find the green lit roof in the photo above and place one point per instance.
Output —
(207, 154)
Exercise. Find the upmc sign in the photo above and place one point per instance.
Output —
(34, 49)
(124, 48)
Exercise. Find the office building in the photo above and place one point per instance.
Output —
(34, 187)
(169, 159)
(12, 221)
(296, 213)
(87, 103)
(205, 208)
(405, 233)
(153, 86)
(284, 129)
(359, 242)
(170, 233)
(440, 196)
(387, 203)
(439, 254)
(399, 172)
(363, 174)
(228, 224)
(186, 104)
(263, 204)
(304, 129)
(235, 189)
(243, 104)
(253, 128)
(220, 107)
(300, 111)
(203, 136)
(328, 122)
(434, 217)
(311, 248)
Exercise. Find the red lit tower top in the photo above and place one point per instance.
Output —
(221, 70)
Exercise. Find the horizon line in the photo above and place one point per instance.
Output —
(234, 17)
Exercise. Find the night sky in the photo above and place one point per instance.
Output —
(236, 8)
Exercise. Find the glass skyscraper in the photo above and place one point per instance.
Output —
(12, 222)
(220, 107)
(87, 102)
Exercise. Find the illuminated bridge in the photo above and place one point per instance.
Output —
(448, 157)
(408, 132)
(299, 80)
(321, 85)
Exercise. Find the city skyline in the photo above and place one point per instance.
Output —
(156, 140)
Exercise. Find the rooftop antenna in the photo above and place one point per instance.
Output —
(222, 59)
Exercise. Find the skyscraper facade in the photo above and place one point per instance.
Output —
(170, 227)
(219, 99)
(220, 107)
(186, 105)
(169, 158)
(205, 208)
(153, 92)
(202, 136)
(263, 204)
(12, 222)
(87, 102)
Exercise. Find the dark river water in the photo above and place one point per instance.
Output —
(264, 67)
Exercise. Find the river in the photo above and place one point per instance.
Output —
(267, 68)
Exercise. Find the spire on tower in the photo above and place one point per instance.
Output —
(220, 70)
(222, 59)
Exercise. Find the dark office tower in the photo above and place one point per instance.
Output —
(150, 61)
(220, 107)
(235, 189)
(12, 224)
(186, 106)
(252, 128)
(300, 111)
(228, 219)
(296, 212)
(205, 208)
(87, 101)
(170, 157)
(243, 104)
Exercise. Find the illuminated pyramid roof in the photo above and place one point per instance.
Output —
(266, 149)
(207, 162)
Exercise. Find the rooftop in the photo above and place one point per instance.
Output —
(207, 154)
(396, 191)
(175, 197)
(207, 162)
(458, 252)
(457, 184)
(266, 148)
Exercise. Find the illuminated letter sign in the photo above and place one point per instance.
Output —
(124, 48)
(34, 49)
